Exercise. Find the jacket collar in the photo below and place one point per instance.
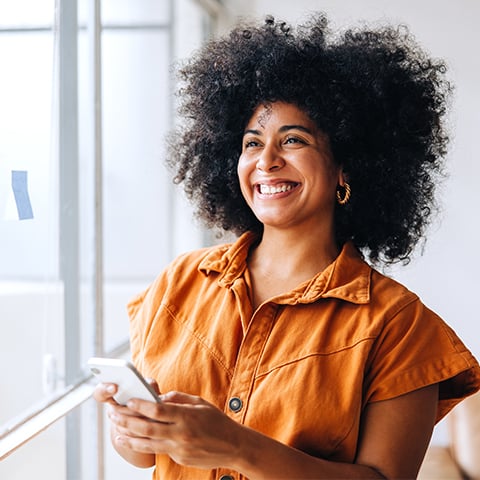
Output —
(347, 277)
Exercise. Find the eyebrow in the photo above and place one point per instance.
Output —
(282, 129)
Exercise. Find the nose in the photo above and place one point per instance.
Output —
(269, 159)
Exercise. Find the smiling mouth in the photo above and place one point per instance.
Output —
(274, 189)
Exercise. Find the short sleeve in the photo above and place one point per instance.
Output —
(141, 311)
(417, 348)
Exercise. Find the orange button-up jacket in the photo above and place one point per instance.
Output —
(302, 367)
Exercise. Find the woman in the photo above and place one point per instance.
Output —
(284, 354)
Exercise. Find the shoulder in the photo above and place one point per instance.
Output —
(387, 309)
(391, 295)
(178, 284)
(415, 347)
(188, 268)
(204, 264)
(402, 315)
(355, 280)
(180, 269)
(192, 260)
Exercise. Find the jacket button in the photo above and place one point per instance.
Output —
(226, 477)
(235, 404)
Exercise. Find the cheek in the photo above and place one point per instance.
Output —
(332, 176)
(243, 176)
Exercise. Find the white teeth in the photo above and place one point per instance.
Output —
(271, 189)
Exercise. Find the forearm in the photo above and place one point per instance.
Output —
(138, 459)
(260, 457)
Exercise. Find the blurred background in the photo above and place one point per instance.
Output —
(89, 215)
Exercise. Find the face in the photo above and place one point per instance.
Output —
(286, 169)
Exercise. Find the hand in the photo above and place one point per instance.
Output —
(189, 429)
(104, 393)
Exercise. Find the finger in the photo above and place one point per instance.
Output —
(153, 383)
(104, 392)
(140, 444)
(122, 431)
(158, 412)
(117, 409)
(140, 426)
(172, 408)
(182, 398)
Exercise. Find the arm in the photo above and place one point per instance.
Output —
(394, 437)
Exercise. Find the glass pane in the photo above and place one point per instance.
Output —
(136, 111)
(26, 13)
(139, 11)
(136, 185)
(26, 133)
(30, 293)
(42, 458)
(129, 12)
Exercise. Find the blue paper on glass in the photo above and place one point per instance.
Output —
(20, 191)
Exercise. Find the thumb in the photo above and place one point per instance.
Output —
(182, 398)
(153, 383)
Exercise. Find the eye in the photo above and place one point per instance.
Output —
(292, 140)
(250, 143)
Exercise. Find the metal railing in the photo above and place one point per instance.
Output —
(22, 429)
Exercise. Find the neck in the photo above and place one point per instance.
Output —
(287, 253)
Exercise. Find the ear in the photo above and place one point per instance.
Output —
(342, 177)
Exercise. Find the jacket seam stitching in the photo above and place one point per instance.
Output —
(199, 339)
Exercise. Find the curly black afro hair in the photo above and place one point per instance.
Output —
(376, 94)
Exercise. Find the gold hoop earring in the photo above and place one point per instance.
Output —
(342, 200)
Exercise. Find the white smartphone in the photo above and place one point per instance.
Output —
(128, 379)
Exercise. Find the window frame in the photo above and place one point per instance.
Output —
(79, 383)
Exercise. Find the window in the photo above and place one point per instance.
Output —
(88, 214)
(29, 308)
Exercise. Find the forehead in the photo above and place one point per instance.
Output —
(281, 113)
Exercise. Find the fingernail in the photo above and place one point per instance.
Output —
(111, 389)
